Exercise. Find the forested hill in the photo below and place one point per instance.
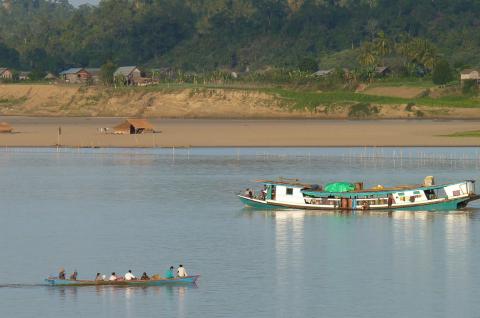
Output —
(210, 34)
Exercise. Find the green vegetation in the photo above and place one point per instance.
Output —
(442, 74)
(308, 65)
(471, 133)
(106, 72)
(240, 34)
(362, 110)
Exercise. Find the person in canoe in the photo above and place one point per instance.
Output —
(98, 277)
(169, 274)
(74, 275)
(129, 275)
(61, 274)
(181, 272)
(113, 277)
(145, 276)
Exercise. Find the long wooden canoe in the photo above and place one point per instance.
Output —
(152, 282)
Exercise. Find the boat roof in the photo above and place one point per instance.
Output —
(313, 189)
(376, 192)
(286, 182)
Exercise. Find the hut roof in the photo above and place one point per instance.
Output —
(323, 72)
(2, 70)
(72, 71)
(382, 69)
(136, 123)
(5, 127)
(50, 76)
(125, 70)
(468, 71)
(93, 71)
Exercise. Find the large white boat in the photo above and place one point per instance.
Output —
(292, 194)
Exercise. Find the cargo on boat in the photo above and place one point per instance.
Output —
(292, 194)
(53, 281)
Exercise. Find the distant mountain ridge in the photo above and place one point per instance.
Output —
(233, 34)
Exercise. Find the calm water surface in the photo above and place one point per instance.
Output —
(114, 210)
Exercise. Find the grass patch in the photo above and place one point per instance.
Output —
(12, 101)
(407, 82)
(471, 133)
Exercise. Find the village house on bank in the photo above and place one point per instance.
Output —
(470, 75)
(5, 73)
(130, 75)
(75, 76)
(94, 74)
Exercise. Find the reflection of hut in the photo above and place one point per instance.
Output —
(5, 128)
(134, 126)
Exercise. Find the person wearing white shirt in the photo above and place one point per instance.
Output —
(129, 275)
(181, 272)
(113, 277)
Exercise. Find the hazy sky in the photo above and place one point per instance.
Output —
(78, 2)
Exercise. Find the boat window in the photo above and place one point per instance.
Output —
(289, 191)
(416, 192)
(401, 194)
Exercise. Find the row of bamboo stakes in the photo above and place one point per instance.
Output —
(367, 156)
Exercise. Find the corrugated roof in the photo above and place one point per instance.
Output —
(124, 70)
(323, 72)
(468, 71)
(93, 70)
(73, 70)
(3, 69)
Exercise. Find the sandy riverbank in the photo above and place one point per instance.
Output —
(83, 132)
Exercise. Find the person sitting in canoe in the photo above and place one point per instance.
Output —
(169, 273)
(181, 272)
(74, 275)
(113, 277)
(129, 275)
(145, 276)
(98, 277)
(61, 274)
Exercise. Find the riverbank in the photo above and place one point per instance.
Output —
(84, 132)
(236, 101)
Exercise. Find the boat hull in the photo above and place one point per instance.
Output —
(153, 282)
(447, 205)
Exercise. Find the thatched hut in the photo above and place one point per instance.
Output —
(5, 128)
(134, 126)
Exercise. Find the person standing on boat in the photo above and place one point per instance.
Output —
(264, 193)
(61, 274)
(113, 277)
(129, 275)
(169, 273)
(74, 275)
(390, 200)
(181, 272)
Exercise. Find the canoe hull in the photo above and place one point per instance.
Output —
(154, 282)
(447, 205)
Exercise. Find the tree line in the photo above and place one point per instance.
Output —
(201, 35)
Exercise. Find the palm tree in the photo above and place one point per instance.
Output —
(367, 56)
(382, 45)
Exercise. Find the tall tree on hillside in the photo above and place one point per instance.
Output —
(442, 73)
